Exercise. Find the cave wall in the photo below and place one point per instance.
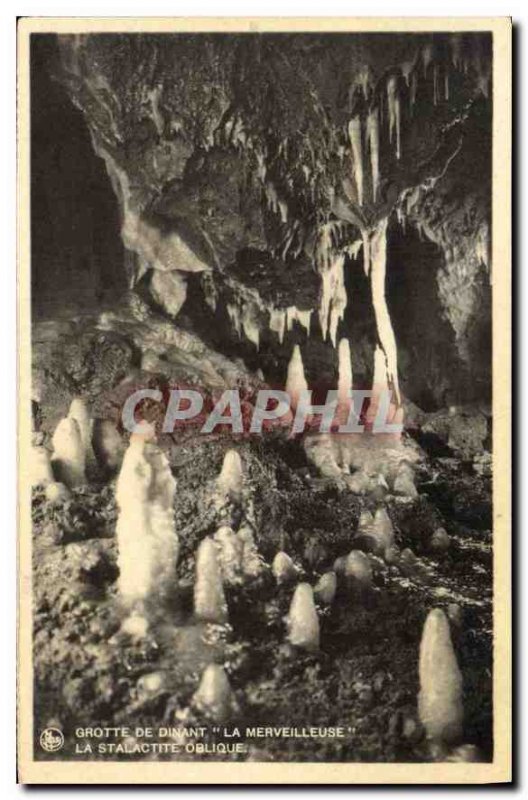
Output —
(234, 162)
(77, 256)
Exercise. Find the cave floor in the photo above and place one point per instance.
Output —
(364, 676)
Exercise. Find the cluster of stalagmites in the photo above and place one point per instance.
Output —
(148, 553)
(81, 446)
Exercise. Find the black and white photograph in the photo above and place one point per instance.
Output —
(264, 310)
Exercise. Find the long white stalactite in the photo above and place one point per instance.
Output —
(377, 254)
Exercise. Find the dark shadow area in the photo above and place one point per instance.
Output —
(77, 257)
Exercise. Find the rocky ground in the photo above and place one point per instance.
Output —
(364, 675)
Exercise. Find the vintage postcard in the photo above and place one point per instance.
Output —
(264, 400)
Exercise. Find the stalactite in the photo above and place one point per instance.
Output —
(378, 264)
(229, 554)
(393, 100)
(303, 623)
(373, 141)
(295, 381)
(69, 458)
(283, 568)
(326, 587)
(357, 567)
(302, 317)
(354, 132)
(146, 535)
(209, 599)
(435, 84)
(440, 699)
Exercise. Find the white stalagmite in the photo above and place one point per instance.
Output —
(69, 457)
(440, 700)
(303, 623)
(295, 380)
(345, 379)
(231, 479)
(252, 563)
(209, 599)
(235, 316)
(108, 444)
(373, 142)
(326, 587)
(283, 568)
(393, 99)
(146, 534)
(80, 413)
(378, 266)
(214, 695)
(250, 325)
(41, 472)
(354, 132)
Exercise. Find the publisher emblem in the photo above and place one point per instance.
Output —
(51, 739)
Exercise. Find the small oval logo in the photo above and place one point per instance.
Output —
(51, 739)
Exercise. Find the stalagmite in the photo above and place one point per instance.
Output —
(69, 459)
(108, 444)
(55, 492)
(295, 381)
(80, 413)
(214, 696)
(252, 563)
(209, 599)
(283, 568)
(303, 623)
(373, 141)
(357, 567)
(41, 471)
(229, 554)
(440, 698)
(393, 100)
(378, 264)
(345, 379)
(326, 587)
(146, 535)
(230, 482)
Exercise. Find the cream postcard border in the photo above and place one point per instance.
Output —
(38, 772)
